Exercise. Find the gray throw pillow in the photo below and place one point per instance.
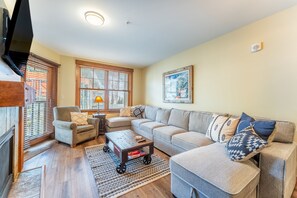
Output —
(138, 111)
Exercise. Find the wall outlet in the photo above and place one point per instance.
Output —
(256, 47)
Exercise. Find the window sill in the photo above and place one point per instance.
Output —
(41, 138)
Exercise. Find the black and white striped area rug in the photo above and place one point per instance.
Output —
(112, 184)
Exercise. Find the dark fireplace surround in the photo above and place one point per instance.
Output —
(6, 161)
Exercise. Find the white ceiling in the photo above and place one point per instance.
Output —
(158, 28)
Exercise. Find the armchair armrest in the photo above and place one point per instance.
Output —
(278, 170)
(94, 122)
(64, 124)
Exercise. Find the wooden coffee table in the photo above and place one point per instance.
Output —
(124, 142)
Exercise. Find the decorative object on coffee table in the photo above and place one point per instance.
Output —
(178, 85)
(111, 184)
(102, 122)
(123, 142)
(98, 100)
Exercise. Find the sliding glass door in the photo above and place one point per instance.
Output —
(38, 116)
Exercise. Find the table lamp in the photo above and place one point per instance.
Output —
(98, 100)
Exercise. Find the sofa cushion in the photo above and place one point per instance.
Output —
(84, 128)
(222, 128)
(199, 121)
(284, 132)
(119, 121)
(245, 144)
(179, 118)
(165, 133)
(150, 126)
(137, 122)
(190, 140)
(151, 112)
(209, 170)
(63, 113)
(163, 115)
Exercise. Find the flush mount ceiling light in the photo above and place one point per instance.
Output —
(94, 18)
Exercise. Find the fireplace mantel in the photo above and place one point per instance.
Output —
(16, 94)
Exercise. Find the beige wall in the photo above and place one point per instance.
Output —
(43, 51)
(66, 83)
(137, 87)
(229, 78)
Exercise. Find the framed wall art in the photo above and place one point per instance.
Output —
(178, 85)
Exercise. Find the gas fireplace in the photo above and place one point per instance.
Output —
(6, 161)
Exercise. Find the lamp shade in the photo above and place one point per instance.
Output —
(98, 99)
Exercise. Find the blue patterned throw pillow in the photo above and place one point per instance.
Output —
(246, 117)
(244, 145)
(264, 128)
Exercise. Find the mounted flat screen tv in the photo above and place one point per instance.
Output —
(19, 38)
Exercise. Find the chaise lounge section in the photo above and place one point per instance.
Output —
(201, 167)
(207, 172)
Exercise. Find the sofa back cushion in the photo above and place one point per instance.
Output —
(151, 112)
(199, 121)
(63, 113)
(163, 115)
(284, 132)
(179, 118)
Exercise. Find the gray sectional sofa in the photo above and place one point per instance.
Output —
(202, 168)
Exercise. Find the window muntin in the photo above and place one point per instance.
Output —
(112, 85)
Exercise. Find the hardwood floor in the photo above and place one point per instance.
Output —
(68, 174)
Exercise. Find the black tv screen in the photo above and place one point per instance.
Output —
(19, 37)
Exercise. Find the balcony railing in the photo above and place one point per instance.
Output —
(35, 119)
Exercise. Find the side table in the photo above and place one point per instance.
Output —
(102, 119)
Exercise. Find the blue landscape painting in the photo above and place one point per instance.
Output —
(176, 86)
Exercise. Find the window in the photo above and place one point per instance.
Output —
(113, 84)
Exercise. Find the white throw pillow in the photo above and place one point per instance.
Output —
(79, 118)
(222, 128)
(125, 112)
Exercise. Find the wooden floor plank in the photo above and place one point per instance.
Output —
(68, 174)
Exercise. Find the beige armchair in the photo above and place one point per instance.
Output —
(68, 132)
